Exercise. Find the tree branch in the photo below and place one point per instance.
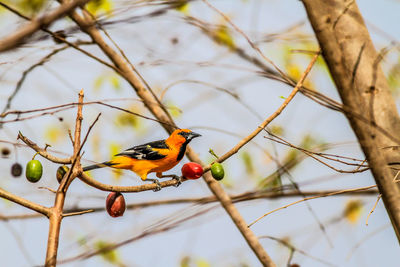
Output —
(361, 83)
(24, 202)
(42, 152)
(14, 40)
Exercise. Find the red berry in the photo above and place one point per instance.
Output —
(115, 204)
(192, 170)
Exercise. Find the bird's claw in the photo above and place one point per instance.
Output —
(158, 188)
(178, 179)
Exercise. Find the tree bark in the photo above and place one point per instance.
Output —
(355, 68)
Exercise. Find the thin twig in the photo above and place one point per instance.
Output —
(48, 189)
(314, 197)
(295, 249)
(312, 155)
(76, 213)
(373, 208)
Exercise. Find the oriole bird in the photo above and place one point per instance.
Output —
(157, 156)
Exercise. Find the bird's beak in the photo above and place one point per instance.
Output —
(193, 135)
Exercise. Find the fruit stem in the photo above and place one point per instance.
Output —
(212, 153)
(35, 155)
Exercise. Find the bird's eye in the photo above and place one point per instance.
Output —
(183, 133)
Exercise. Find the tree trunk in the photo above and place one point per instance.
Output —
(369, 106)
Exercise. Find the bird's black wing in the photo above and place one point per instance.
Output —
(149, 151)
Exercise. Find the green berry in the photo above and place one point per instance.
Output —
(34, 171)
(217, 171)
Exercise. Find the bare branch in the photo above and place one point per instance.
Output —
(247, 196)
(43, 152)
(12, 41)
(132, 189)
(77, 213)
(24, 202)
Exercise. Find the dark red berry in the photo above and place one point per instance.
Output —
(16, 169)
(115, 204)
(5, 151)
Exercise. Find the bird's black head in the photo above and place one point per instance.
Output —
(188, 134)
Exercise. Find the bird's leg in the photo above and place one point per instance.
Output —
(158, 188)
(173, 176)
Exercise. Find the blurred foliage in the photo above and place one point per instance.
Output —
(100, 6)
(222, 35)
(125, 119)
(248, 162)
(292, 62)
(110, 256)
(277, 130)
(227, 181)
(187, 261)
(114, 149)
(202, 263)
(353, 210)
(173, 109)
(29, 7)
(181, 6)
(95, 141)
(53, 134)
(111, 78)
(393, 77)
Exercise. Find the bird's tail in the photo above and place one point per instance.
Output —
(98, 166)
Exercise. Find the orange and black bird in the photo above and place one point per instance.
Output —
(157, 156)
